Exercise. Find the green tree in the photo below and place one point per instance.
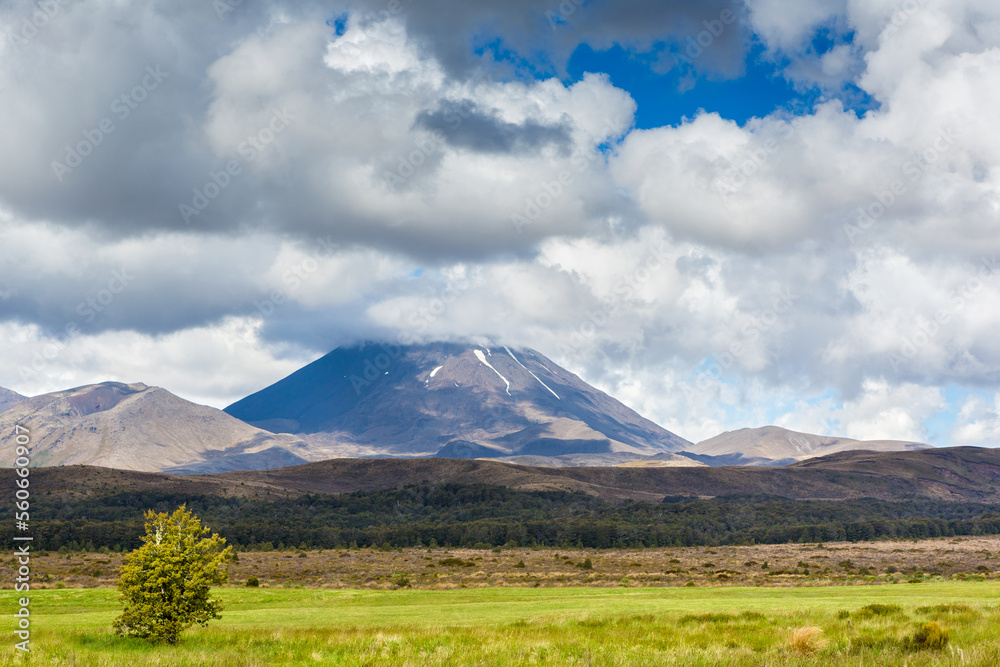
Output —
(165, 583)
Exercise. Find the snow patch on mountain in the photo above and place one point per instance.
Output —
(532, 374)
(482, 358)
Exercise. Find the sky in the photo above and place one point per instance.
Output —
(725, 214)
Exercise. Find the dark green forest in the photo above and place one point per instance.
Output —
(482, 515)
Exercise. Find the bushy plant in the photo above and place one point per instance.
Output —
(165, 583)
(931, 635)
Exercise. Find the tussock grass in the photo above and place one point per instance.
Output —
(807, 640)
(727, 627)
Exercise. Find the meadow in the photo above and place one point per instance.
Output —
(686, 625)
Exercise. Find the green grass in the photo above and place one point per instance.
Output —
(515, 626)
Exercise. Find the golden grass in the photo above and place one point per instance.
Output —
(807, 640)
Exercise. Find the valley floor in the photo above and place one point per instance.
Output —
(840, 563)
(719, 626)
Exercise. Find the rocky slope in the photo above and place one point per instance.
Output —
(135, 427)
(769, 445)
(9, 399)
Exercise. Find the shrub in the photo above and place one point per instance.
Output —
(586, 565)
(879, 610)
(931, 635)
(946, 609)
(400, 580)
(520, 564)
(253, 582)
(807, 640)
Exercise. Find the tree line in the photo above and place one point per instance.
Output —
(457, 515)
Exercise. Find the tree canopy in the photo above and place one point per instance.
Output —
(165, 584)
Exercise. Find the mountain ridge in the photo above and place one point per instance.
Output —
(770, 444)
(9, 398)
(137, 427)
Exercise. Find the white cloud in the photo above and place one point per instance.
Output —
(736, 214)
(978, 423)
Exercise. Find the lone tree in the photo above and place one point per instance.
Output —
(165, 583)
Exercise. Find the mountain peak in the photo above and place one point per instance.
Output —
(780, 444)
(9, 399)
(458, 399)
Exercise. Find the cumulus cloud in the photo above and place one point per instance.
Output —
(288, 182)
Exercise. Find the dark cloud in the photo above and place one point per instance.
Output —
(543, 34)
(467, 126)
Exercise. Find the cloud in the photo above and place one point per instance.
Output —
(433, 172)
(542, 34)
(466, 126)
(978, 423)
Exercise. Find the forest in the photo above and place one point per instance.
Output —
(457, 515)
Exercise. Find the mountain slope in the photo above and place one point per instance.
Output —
(770, 443)
(454, 400)
(135, 427)
(9, 399)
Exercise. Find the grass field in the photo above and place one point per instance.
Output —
(731, 625)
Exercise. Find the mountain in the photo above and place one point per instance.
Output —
(450, 400)
(135, 427)
(9, 399)
(773, 445)
(969, 474)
